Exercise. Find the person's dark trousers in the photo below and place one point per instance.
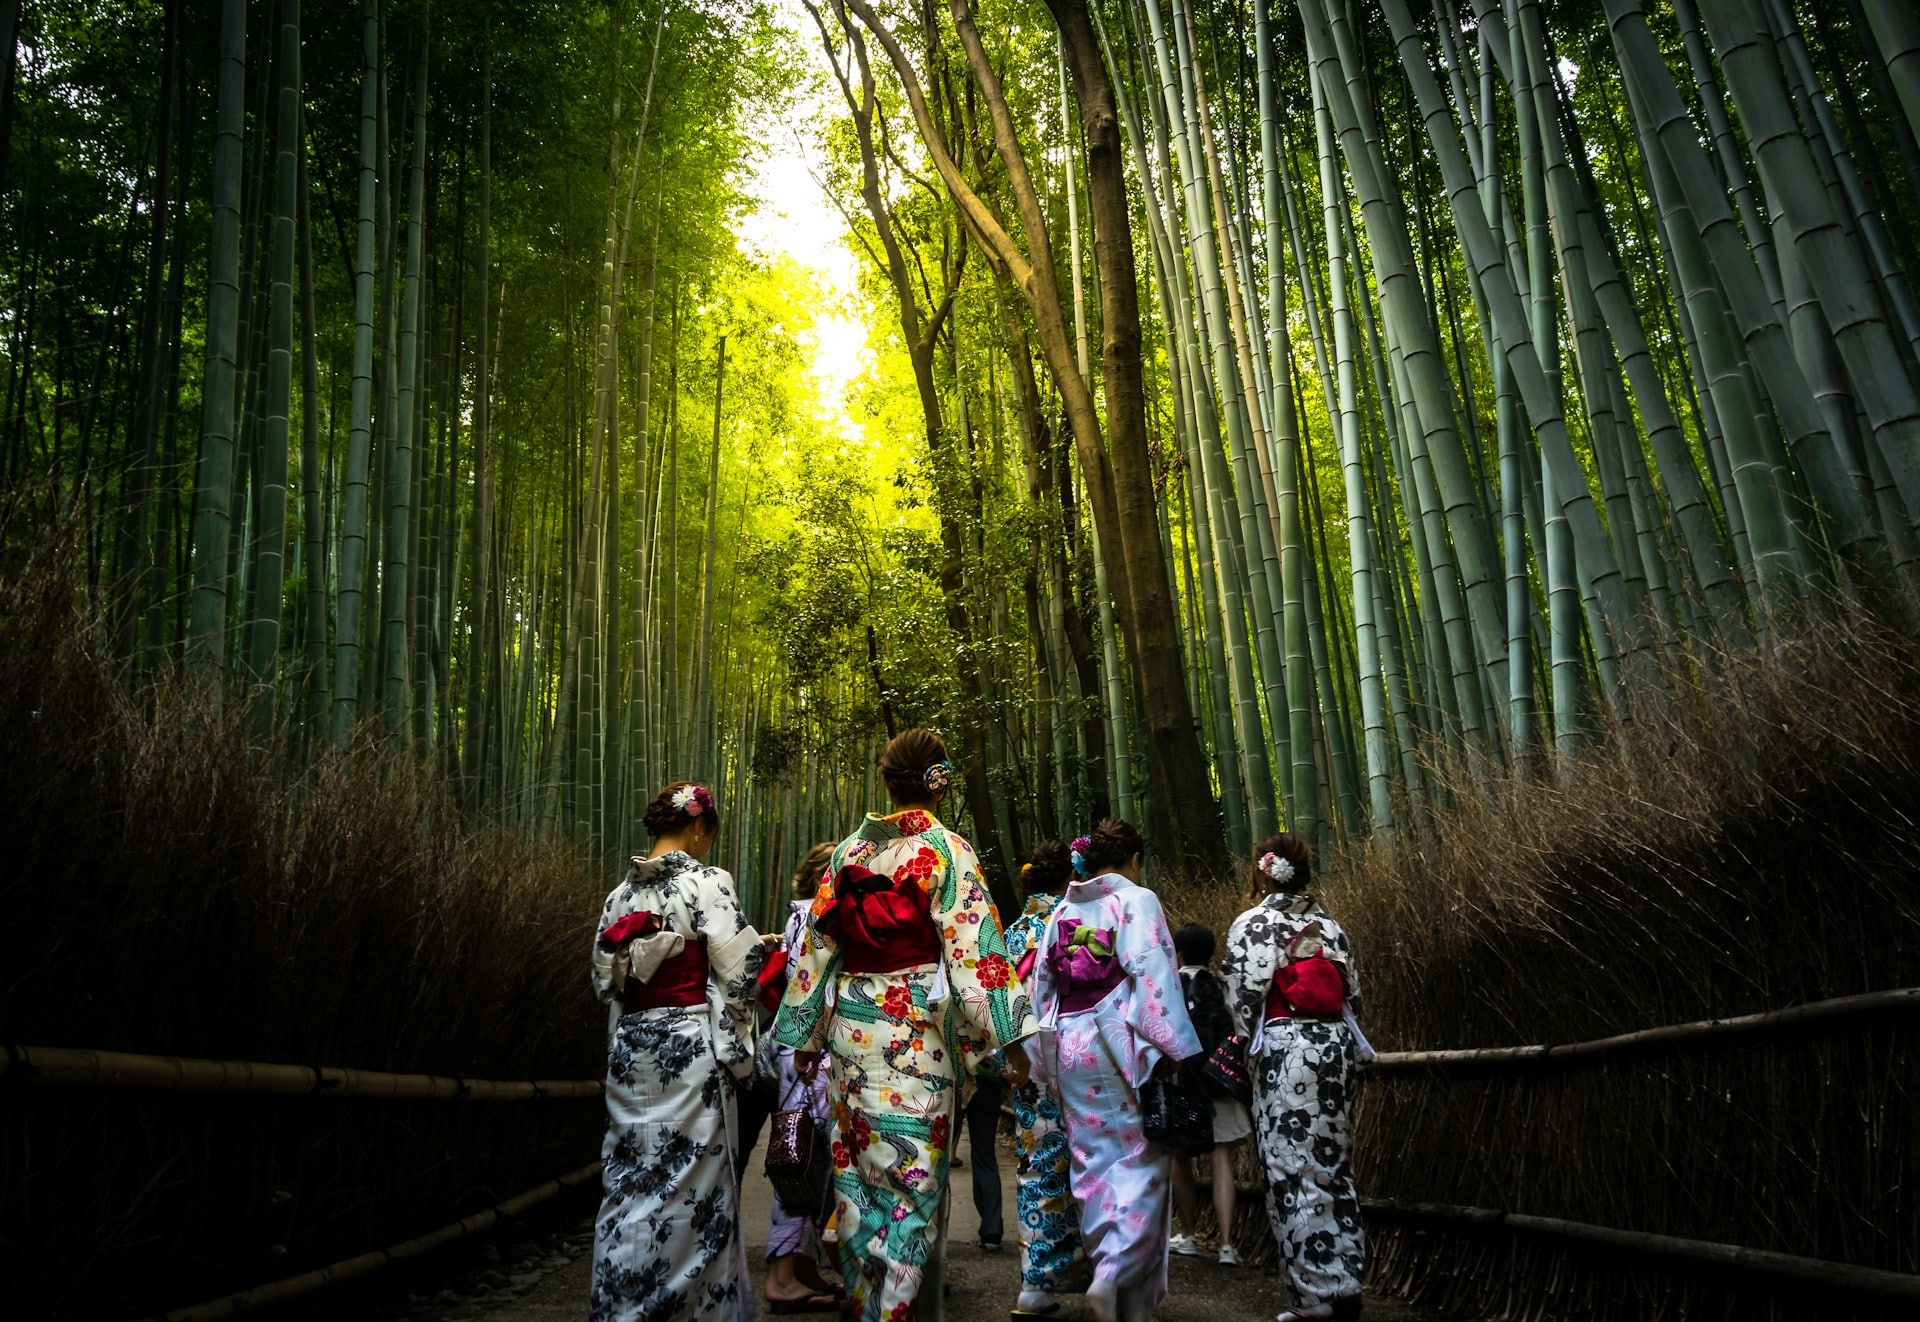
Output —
(983, 1125)
(756, 1103)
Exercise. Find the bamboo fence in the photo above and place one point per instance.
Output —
(77, 1067)
(365, 1264)
(66, 1067)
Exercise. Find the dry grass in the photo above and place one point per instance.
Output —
(1746, 842)
(167, 888)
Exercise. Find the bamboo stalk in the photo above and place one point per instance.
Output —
(79, 1067)
(293, 1287)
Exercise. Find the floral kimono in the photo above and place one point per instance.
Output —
(791, 1232)
(675, 962)
(903, 977)
(1050, 1254)
(1107, 985)
(1302, 1063)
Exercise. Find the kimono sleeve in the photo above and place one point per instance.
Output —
(811, 969)
(991, 1004)
(601, 971)
(1247, 969)
(734, 950)
(1146, 952)
(1340, 950)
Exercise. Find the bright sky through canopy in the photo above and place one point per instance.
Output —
(794, 219)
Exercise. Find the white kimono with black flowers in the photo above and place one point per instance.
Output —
(667, 1243)
(1303, 1073)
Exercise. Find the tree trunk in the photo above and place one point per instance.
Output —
(1178, 762)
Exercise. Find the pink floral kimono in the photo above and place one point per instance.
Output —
(1108, 987)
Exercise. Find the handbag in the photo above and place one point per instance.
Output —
(799, 1161)
(1177, 1117)
(1226, 1070)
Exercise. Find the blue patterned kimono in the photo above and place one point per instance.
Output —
(1050, 1255)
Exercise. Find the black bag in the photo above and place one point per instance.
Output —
(1177, 1117)
(1226, 1070)
(799, 1163)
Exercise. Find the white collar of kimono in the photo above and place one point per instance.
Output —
(646, 871)
(1092, 888)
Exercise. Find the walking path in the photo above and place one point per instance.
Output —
(981, 1285)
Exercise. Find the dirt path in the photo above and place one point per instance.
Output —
(981, 1285)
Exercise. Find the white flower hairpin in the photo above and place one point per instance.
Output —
(1276, 867)
(692, 799)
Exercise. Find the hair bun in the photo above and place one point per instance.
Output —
(1113, 844)
(678, 806)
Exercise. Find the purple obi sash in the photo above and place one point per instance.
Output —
(1084, 964)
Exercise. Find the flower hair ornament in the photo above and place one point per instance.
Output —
(693, 800)
(1279, 869)
(1081, 844)
(938, 776)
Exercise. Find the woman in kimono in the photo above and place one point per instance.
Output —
(1048, 1220)
(1289, 970)
(1107, 985)
(902, 978)
(795, 1257)
(675, 962)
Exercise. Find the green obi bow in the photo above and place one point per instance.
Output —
(1095, 940)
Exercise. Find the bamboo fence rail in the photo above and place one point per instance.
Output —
(1799, 1016)
(78, 1067)
(292, 1287)
(1815, 1271)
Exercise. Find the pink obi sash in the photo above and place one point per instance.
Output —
(881, 925)
(1084, 964)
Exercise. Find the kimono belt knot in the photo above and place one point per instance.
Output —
(1082, 958)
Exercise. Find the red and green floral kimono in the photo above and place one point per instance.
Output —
(903, 977)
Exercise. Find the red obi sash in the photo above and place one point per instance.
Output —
(771, 984)
(1309, 988)
(681, 980)
(1084, 964)
(881, 925)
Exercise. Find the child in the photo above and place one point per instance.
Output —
(1232, 1123)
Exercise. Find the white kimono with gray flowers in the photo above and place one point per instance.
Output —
(1303, 1071)
(667, 1243)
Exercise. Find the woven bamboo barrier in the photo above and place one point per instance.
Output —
(1874, 1281)
(78, 1067)
(339, 1273)
(1253, 1235)
(1252, 1232)
(1868, 1004)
